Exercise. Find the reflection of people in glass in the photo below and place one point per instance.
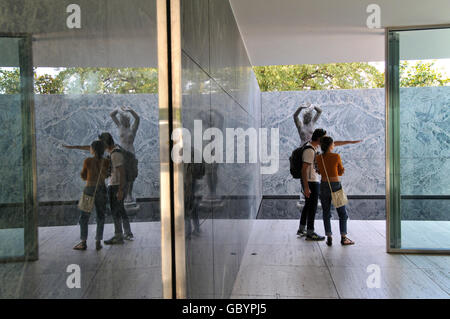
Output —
(116, 191)
(127, 135)
(193, 172)
(217, 120)
(94, 172)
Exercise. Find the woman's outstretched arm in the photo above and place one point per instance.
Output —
(341, 143)
(77, 147)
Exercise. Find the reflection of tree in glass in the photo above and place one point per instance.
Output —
(85, 81)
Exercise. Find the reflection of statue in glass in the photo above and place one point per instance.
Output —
(127, 135)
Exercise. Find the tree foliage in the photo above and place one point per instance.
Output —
(343, 76)
(270, 78)
(420, 74)
(86, 81)
(109, 80)
(10, 81)
(318, 77)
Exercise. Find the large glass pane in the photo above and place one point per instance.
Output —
(221, 195)
(95, 71)
(424, 140)
(11, 168)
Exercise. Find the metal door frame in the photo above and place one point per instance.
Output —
(393, 230)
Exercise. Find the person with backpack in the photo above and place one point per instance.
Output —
(330, 168)
(303, 167)
(116, 190)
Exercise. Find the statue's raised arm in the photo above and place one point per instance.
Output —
(137, 120)
(113, 115)
(318, 114)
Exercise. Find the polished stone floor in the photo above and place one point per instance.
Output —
(278, 264)
(275, 264)
(132, 270)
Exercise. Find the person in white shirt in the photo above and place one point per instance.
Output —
(116, 190)
(311, 187)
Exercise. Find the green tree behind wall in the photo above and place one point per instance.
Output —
(318, 77)
(343, 76)
(421, 74)
(270, 78)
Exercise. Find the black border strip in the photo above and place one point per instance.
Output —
(171, 164)
(422, 197)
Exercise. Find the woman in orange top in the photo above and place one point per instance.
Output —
(95, 169)
(333, 168)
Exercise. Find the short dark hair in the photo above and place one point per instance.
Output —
(325, 143)
(99, 148)
(318, 133)
(107, 139)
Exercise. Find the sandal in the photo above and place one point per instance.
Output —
(345, 241)
(329, 241)
(80, 246)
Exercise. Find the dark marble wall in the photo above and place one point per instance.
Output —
(220, 89)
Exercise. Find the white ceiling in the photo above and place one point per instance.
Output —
(284, 32)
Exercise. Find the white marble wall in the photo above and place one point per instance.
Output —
(360, 114)
(425, 141)
(11, 187)
(347, 115)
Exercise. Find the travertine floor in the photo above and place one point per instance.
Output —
(278, 264)
(132, 270)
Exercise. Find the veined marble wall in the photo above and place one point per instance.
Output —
(425, 141)
(360, 114)
(219, 88)
(75, 120)
(11, 170)
(347, 115)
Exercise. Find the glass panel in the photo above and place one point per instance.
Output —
(11, 168)
(221, 196)
(424, 149)
(95, 71)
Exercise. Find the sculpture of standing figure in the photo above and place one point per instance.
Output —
(127, 135)
(306, 128)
